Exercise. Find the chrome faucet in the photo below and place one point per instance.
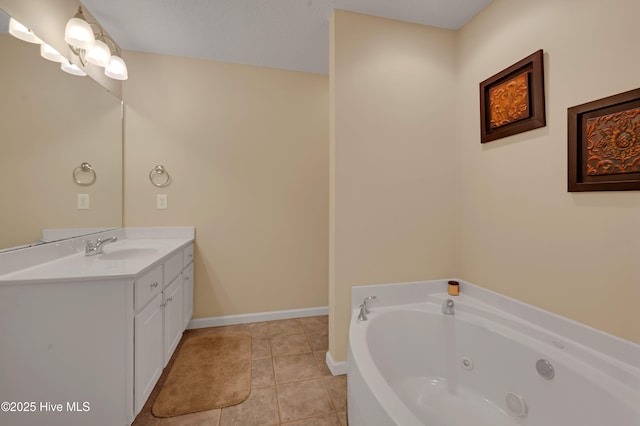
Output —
(92, 249)
(364, 309)
(448, 307)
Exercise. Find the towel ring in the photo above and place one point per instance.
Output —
(84, 168)
(159, 170)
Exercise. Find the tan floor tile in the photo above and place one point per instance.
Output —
(288, 326)
(258, 330)
(289, 344)
(329, 420)
(343, 419)
(318, 340)
(301, 400)
(337, 388)
(321, 359)
(262, 373)
(260, 348)
(319, 323)
(203, 418)
(290, 368)
(260, 409)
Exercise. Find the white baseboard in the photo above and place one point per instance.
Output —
(257, 317)
(336, 368)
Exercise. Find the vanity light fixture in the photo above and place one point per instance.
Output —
(21, 32)
(94, 47)
(89, 46)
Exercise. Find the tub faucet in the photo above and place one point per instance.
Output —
(92, 249)
(364, 310)
(448, 307)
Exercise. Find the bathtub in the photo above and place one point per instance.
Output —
(409, 364)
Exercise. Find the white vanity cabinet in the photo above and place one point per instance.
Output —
(84, 339)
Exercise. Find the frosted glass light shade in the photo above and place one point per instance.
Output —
(117, 69)
(21, 32)
(50, 53)
(99, 54)
(72, 69)
(78, 33)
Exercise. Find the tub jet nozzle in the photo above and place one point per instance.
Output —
(448, 307)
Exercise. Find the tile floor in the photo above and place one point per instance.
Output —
(290, 382)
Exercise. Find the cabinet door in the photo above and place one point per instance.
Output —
(172, 318)
(187, 281)
(148, 351)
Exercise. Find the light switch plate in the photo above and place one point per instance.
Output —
(161, 202)
(83, 201)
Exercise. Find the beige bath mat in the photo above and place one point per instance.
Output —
(210, 371)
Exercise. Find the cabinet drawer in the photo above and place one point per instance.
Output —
(187, 255)
(148, 286)
(172, 268)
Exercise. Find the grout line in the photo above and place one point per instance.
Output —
(275, 384)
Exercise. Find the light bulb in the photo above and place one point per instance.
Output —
(99, 54)
(79, 34)
(72, 69)
(50, 53)
(117, 69)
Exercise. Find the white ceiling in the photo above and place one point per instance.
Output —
(286, 34)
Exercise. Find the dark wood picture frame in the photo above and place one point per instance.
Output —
(512, 101)
(604, 144)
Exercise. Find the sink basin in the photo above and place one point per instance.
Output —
(127, 253)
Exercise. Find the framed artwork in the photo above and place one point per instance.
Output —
(604, 144)
(512, 101)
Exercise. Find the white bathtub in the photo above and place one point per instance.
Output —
(410, 364)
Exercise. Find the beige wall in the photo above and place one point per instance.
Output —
(520, 232)
(51, 122)
(396, 146)
(247, 149)
(392, 152)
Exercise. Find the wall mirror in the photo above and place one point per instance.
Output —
(50, 123)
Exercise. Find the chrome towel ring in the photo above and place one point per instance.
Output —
(159, 176)
(84, 168)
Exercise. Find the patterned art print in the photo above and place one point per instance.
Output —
(613, 143)
(509, 101)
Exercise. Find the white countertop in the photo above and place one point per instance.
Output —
(136, 250)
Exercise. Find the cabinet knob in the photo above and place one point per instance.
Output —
(169, 299)
(154, 284)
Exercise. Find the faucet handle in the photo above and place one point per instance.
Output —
(363, 313)
(364, 302)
